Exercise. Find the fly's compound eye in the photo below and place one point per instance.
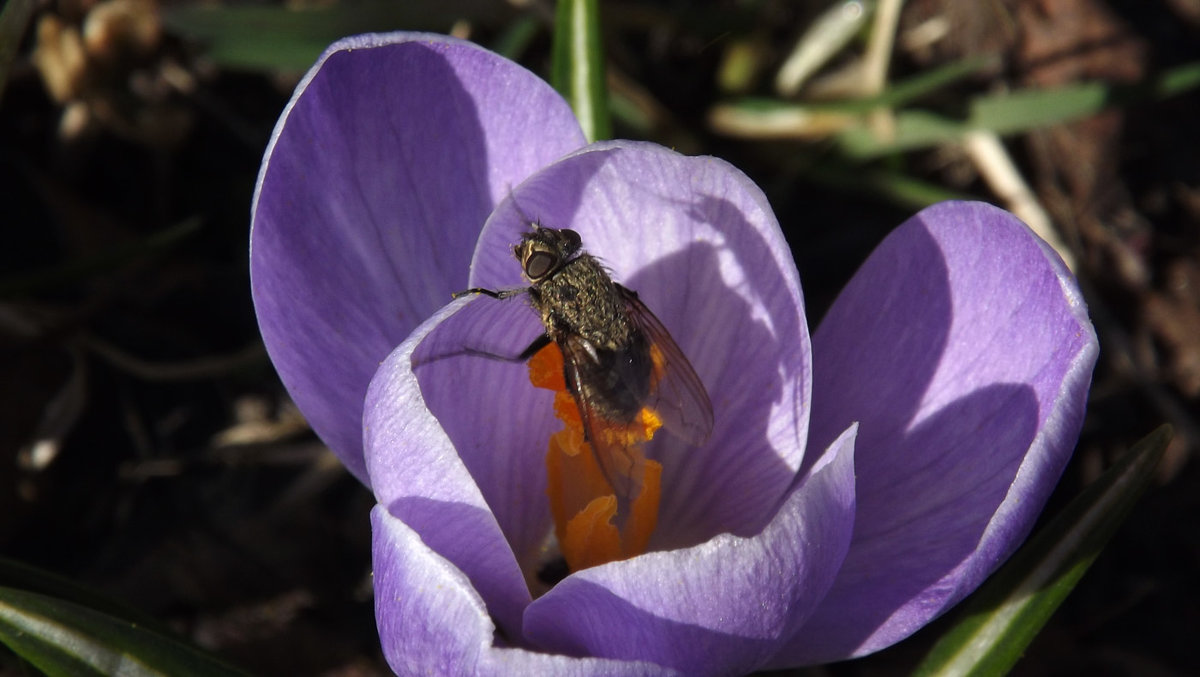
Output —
(539, 264)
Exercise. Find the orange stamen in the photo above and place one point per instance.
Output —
(546, 369)
(582, 502)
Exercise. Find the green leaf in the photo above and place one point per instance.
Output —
(63, 638)
(1003, 113)
(578, 71)
(515, 38)
(274, 37)
(14, 574)
(897, 95)
(901, 189)
(1004, 615)
(1018, 111)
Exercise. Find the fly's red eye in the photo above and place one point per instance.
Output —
(539, 265)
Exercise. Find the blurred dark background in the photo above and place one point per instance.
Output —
(147, 448)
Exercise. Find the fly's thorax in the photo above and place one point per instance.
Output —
(581, 299)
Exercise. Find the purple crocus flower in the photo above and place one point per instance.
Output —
(857, 483)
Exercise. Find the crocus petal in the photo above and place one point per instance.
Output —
(378, 177)
(964, 348)
(695, 238)
(432, 623)
(722, 607)
(418, 473)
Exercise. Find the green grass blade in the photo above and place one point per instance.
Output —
(63, 638)
(257, 36)
(515, 38)
(578, 71)
(1004, 616)
(897, 95)
(1016, 112)
(21, 576)
(1031, 108)
(896, 187)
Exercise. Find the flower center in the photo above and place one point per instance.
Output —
(583, 502)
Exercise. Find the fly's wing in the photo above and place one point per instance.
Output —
(620, 467)
(676, 393)
(609, 387)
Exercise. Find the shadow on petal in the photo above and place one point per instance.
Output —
(461, 534)
(551, 197)
(736, 481)
(498, 422)
(722, 607)
(417, 473)
(375, 185)
(431, 620)
(873, 364)
(924, 517)
(743, 326)
(681, 228)
(671, 643)
(963, 348)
